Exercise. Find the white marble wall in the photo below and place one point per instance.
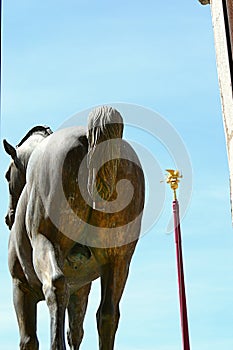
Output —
(224, 78)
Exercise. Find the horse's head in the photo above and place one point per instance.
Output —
(104, 124)
(16, 178)
(16, 173)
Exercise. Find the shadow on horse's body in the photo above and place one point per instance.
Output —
(67, 199)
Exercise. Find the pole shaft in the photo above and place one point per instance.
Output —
(182, 296)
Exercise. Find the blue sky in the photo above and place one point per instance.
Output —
(61, 57)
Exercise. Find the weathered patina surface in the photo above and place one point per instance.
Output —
(73, 224)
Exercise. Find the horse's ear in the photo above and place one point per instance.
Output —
(10, 149)
(12, 152)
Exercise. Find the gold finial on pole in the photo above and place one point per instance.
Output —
(173, 179)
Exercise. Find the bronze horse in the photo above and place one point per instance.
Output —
(71, 224)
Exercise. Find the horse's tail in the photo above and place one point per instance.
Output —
(105, 130)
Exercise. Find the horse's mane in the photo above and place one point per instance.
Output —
(44, 130)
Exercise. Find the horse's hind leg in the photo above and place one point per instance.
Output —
(25, 301)
(76, 311)
(113, 281)
(25, 307)
(47, 260)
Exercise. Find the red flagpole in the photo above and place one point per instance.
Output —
(173, 180)
(180, 270)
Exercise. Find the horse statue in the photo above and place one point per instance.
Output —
(76, 204)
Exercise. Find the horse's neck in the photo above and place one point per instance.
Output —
(26, 149)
